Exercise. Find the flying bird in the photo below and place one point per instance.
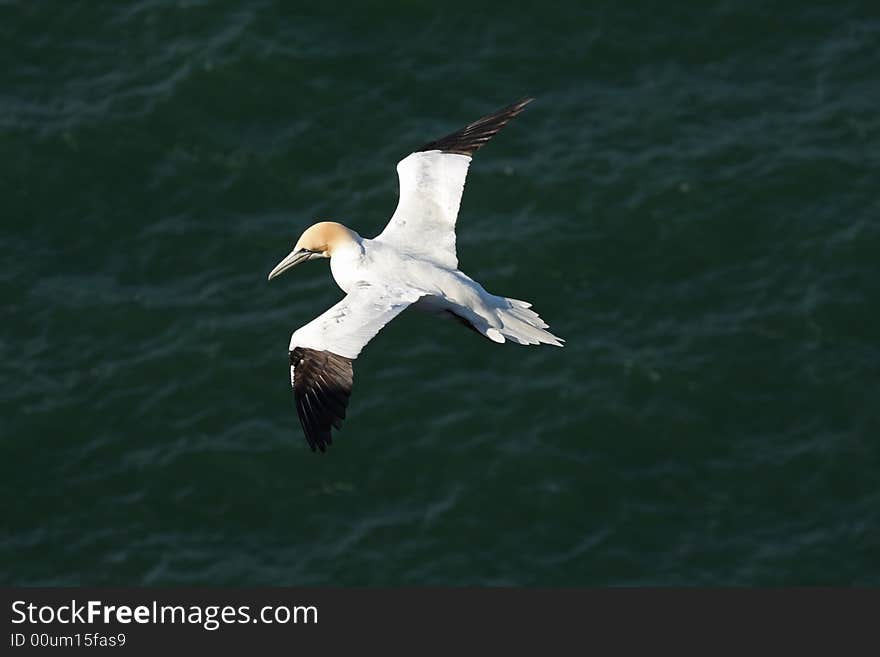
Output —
(412, 263)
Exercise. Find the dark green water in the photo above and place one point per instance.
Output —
(693, 202)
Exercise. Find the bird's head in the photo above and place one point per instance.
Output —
(318, 241)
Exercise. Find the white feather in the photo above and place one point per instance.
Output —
(431, 185)
(348, 326)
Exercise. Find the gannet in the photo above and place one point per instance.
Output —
(411, 263)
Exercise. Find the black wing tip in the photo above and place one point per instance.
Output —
(522, 102)
(474, 136)
(322, 383)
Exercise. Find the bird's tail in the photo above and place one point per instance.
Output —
(521, 324)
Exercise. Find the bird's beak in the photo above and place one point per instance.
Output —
(292, 260)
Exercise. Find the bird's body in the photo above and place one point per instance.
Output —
(412, 263)
(437, 289)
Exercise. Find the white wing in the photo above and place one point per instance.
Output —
(431, 184)
(348, 326)
(322, 351)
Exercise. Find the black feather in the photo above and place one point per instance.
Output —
(472, 137)
(322, 384)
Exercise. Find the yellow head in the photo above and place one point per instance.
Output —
(318, 241)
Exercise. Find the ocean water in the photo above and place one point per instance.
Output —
(693, 202)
